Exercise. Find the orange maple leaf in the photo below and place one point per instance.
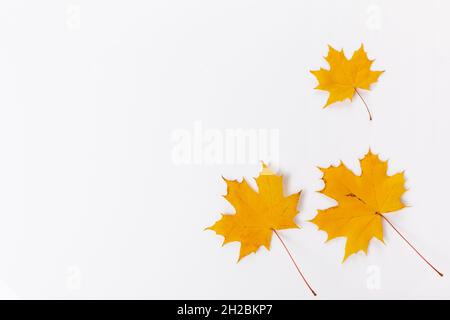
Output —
(362, 202)
(345, 76)
(258, 214)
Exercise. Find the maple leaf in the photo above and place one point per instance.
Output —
(258, 214)
(362, 202)
(345, 76)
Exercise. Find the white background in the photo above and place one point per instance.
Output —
(92, 204)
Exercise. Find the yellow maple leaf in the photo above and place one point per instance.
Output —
(362, 200)
(345, 76)
(257, 213)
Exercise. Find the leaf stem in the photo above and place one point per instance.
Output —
(296, 266)
(423, 258)
(367, 107)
